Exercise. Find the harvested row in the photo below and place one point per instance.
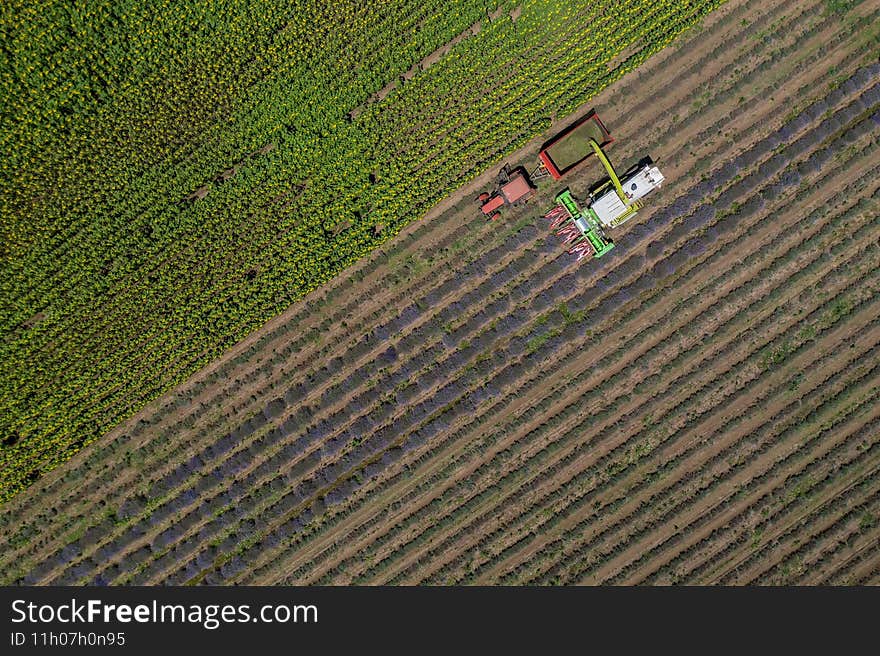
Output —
(780, 510)
(822, 532)
(857, 558)
(597, 509)
(748, 471)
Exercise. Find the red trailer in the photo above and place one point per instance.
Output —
(572, 146)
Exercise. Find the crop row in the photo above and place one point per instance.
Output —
(609, 387)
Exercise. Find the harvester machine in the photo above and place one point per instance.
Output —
(610, 204)
(616, 200)
(578, 228)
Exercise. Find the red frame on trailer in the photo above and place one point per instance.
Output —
(548, 162)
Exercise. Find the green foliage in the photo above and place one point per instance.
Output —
(795, 381)
(839, 6)
(839, 309)
(536, 342)
(567, 315)
(776, 355)
(756, 538)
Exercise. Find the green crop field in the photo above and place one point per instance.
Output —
(174, 174)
